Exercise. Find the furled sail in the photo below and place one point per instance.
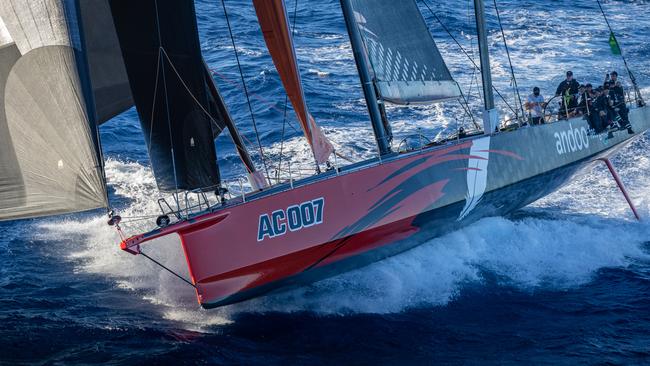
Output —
(272, 17)
(406, 63)
(160, 46)
(48, 161)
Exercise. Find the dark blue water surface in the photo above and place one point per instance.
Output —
(564, 281)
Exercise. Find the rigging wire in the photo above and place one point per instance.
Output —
(187, 88)
(512, 70)
(474, 78)
(435, 15)
(248, 100)
(167, 269)
(465, 106)
(169, 124)
(256, 96)
(639, 97)
(286, 98)
(270, 106)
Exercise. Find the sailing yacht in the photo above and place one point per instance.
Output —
(66, 66)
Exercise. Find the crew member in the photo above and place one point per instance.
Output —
(535, 104)
(568, 90)
(617, 94)
(610, 78)
(600, 110)
(586, 105)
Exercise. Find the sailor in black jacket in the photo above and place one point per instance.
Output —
(568, 89)
(617, 94)
(601, 110)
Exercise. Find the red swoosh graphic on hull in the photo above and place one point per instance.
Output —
(505, 153)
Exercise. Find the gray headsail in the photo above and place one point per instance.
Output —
(48, 160)
(406, 63)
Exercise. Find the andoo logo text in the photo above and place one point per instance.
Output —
(575, 139)
(294, 218)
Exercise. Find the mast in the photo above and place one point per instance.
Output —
(366, 81)
(490, 115)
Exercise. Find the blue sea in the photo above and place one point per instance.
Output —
(563, 281)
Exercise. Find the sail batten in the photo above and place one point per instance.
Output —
(273, 20)
(405, 61)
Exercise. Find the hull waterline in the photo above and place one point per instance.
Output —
(339, 221)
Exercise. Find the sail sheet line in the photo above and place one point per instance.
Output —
(169, 122)
(153, 106)
(260, 99)
(467, 55)
(180, 78)
(512, 69)
(235, 84)
(635, 85)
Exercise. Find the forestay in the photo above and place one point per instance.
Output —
(48, 161)
(406, 63)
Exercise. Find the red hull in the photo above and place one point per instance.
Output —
(363, 210)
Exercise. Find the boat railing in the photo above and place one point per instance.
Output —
(184, 205)
(560, 115)
(238, 189)
(187, 204)
(198, 204)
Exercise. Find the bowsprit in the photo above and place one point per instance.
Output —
(294, 218)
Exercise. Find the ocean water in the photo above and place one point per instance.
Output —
(563, 281)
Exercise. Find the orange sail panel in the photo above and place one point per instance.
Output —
(272, 17)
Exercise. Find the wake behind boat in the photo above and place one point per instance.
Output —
(293, 231)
